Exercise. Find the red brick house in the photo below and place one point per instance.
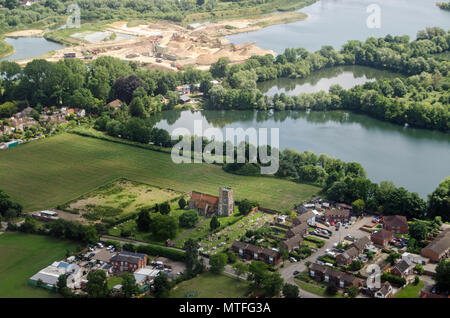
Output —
(291, 243)
(300, 229)
(402, 268)
(397, 224)
(347, 257)
(128, 261)
(382, 237)
(257, 253)
(335, 215)
(327, 274)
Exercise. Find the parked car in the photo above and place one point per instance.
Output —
(292, 259)
(295, 273)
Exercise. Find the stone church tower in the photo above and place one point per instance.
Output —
(226, 202)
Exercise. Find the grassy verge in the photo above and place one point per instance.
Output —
(5, 48)
(44, 173)
(209, 285)
(410, 291)
(22, 256)
(315, 289)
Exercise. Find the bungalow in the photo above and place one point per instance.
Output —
(396, 224)
(115, 104)
(253, 252)
(292, 243)
(382, 237)
(185, 99)
(439, 247)
(347, 257)
(300, 229)
(402, 269)
(335, 215)
(327, 274)
(384, 292)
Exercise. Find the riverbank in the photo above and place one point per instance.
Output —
(6, 49)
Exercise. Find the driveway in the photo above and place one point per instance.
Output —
(289, 268)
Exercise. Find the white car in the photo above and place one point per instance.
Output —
(292, 259)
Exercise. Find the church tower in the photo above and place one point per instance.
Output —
(226, 202)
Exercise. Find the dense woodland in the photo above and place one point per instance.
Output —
(54, 12)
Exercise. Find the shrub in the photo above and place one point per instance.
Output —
(156, 250)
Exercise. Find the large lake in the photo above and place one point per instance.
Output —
(413, 158)
(334, 22)
(28, 47)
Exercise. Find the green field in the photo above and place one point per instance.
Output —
(410, 291)
(44, 173)
(209, 285)
(22, 256)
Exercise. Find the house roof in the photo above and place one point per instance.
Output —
(305, 216)
(361, 243)
(382, 235)
(336, 212)
(384, 290)
(185, 98)
(298, 229)
(332, 273)
(402, 265)
(202, 201)
(128, 257)
(115, 103)
(239, 244)
(441, 243)
(395, 220)
(351, 253)
(293, 241)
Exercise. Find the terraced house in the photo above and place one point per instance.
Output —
(328, 275)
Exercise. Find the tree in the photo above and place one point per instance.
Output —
(62, 282)
(218, 262)
(143, 221)
(439, 201)
(161, 286)
(442, 276)
(272, 284)
(191, 259)
(97, 286)
(358, 207)
(129, 286)
(214, 223)
(245, 207)
(356, 265)
(164, 208)
(331, 289)
(418, 231)
(163, 226)
(137, 108)
(256, 273)
(188, 219)
(290, 291)
(219, 68)
(125, 86)
(393, 257)
(182, 203)
(352, 291)
(239, 268)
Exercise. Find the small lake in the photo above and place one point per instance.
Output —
(28, 47)
(346, 76)
(334, 22)
(413, 158)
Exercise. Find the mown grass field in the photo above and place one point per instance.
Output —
(209, 285)
(410, 291)
(22, 256)
(42, 174)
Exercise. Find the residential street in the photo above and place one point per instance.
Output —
(287, 272)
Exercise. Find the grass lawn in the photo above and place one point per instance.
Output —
(113, 281)
(22, 256)
(209, 285)
(410, 291)
(315, 289)
(44, 173)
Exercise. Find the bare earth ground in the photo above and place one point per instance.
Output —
(25, 33)
(199, 45)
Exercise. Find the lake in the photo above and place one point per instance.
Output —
(413, 158)
(28, 47)
(334, 22)
(346, 76)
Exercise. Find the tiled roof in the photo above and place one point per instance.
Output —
(382, 234)
(441, 243)
(395, 220)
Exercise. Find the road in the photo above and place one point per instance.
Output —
(287, 272)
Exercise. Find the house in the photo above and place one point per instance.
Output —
(128, 261)
(382, 237)
(292, 243)
(361, 244)
(208, 205)
(327, 274)
(185, 99)
(253, 252)
(300, 229)
(343, 206)
(384, 292)
(308, 217)
(80, 112)
(439, 247)
(347, 257)
(402, 269)
(397, 224)
(335, 215)
(115, 104)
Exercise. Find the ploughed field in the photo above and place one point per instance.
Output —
(43, 174)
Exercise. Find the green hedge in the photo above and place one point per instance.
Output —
(156, 250)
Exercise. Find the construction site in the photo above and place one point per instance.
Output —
(167, 46)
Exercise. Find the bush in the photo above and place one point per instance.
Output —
(399, 281)
(156, 250)
(331, 289)
(188, 219)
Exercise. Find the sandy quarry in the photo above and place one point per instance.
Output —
(199, 45)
